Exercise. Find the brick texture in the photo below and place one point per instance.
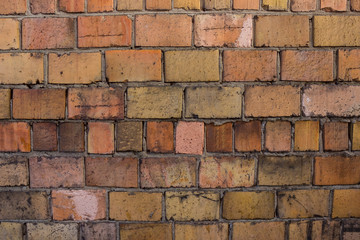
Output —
(219, 138)
(9, 33)
(13, 7)
(15, 137)
(247, 136)
(13, 171)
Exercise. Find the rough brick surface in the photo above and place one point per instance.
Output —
(306, 136)
(9, 34)
(259, 230)
(160, 137)
(298, 230)
(158, 4)
(278, 136)
(42, 6)
(94, 231)
(247, 136)
(101, 138)
(333, 6)
(346, 203)
(349, 67)
(190, 137)
(54, 230)
(72, 137)
(355, 136)
(274, 5)
(325, 230)
(187, 4)
(149, 231)
(129, 5)
(10, 230)
(72, 6)
(246, 4)
(194, 232)
(5, 95)
(13, 7)
(100, 5)
(45, 137)
(13, 171)
(129, 136)
(219, 138)
(336, 136)
(302, 5)
(15, 137)
(355, 5)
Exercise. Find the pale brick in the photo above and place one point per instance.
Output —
(259, 230)
(188, 4)
(129, 5)
(217, 4)
(11, 231)
(275, 5)
(5, 95)
(195, 232)
(9, 33)
(13, 171)
(148, 231)
(349, 65)
(63, 231)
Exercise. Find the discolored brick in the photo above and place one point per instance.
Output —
(101, 137)
(158, 4)
(346, 203)
(160, 137)
(11, 230)
(355, 135)
(349, 66)
(219, 138)
(246, 4)
(333, 5)
(350, 230)
(9, 34)
(190, 137)
(72, 137)
(72, 6)
(42, 6)
(259, 230)
(45, 136)
(13, 7)
(54, 230)
(275, 5)
(15, 137)
(188, 4)
(336, 136)
(306, 136)
(129, 136)
(13, 172)
(248, 136)
(329, 230)
(355, 5)
(95, 231)
(217, 4)
(298, 230)
(5, 96)
(148, 231)
(208, 231)
(129, 5)
(303, 5)
(278, 136)
(100, 5)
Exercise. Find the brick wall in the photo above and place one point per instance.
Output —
(180, 119)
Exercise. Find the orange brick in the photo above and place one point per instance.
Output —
(12, 7)
(278, 136)
(94, 231)
(146, 231)
(72, 137)
(72, 6)
(158, 4)
(168, 172)
(250, 66)
(14, 172)
(355, 5)
(336, 136)
(307, 65)
(302, 5)
(217, 4)
(135, 206)
(188, 4)
(96, 103)
(78, 204)
(248, 136)
(306, 136)
(14, 137)
(104, 31)
(355, 135)
(101, 138)
(160, 137)
(291, 31)
(9, 34)
(47, 33)
(133, 65)
(45, 136)
(163, 30)
(259, 230)
(5, 96)
(246, 4)
(74, 68)
(337, 170)
(346, 203)
(53, 172)
(274, 101)
(329, 230)
(219, 138)
(42, 6)
(208, 231)
(39, 103)
(333, 5)
(349, 66)
(221, 30)
(111, 172)
(190, 137)
(226, 172)
(100, 5)
(129, 5)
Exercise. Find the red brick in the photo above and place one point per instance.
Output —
(129, 136)
(246, 4)
(104, 31)
(48, 33)
(259, 230)
(148, 231)
(337, 170)
(278, 136)
(5, 96)
(307, 65)
(346, 203)
(168, 172)
(72, 137)
(272, 101)
(96, 103)
(190, 137)
(9, 34)
(333, 5)
(78, 204)
(13, 6)
(160, 137)
(355, 5)
(219, 138)
(349, 65)
(248, 136)
(303, 5)
(163, 30)
(14, 137)
(101, 137)
(250, 65)
(48, 172)
(158, 4)
(95, 231)
(45, 137)
(111, 172)
(39, 103)
(72, 6)
(336, 136)
(223, 30)
(100, 5)
(13, 172)
(42, 6)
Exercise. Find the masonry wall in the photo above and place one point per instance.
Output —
(180, 119)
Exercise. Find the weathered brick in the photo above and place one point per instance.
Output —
(217, 4)
(96, 103)
(331, 100)
(200, 102)
(135, 206)
(298, 230)
(223, 30)
(111, 172)
(129, 136)
(192, 66)
(329, 230)
(246, 4)
(219, 137)
(275, 5)
(208, 231)
(74, 68)
(9, 33)
(168, 172)
(13, 7)
(42, 6)
(226, 172)
(52, 172)
(15, 137)
(95, 231)
(187, 4)
(149, 231)
(249, 205)
(78, 204)
(292, 170)
(259, 230)
(72, 137)
(303, 203)
(355, 5)
(21, 68)
(248, 136)
(5, 96)
(160, 137)
(129, 5)
(336, 136)
(11, 231)
(272, 101)
(346, 203)
(349, 66)
(101, 137)
(39, 103)
(72, 6)
(163, 30)
(350, 230)
(13, 172)
(307, 65)
(291, 31)
(355, 136)
(302, 5)
(250, 66)
(17, 205)
(45, 136)
(337, 170)
(68, 231)
(158, 4)
(100, 5)
(334, 31)
(48, 33)
(104, 31)
(333, 5)
(190, 137)
(133, 65)
(306, 136)
(196, 206)
(154, 102)
(278, 136)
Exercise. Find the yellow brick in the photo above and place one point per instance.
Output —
(274, 4)
(9, 34)
(259, 231)
(298, 230)
(356, 136)
(5, 95)
(346, 203)
(326, 230)
(306, 136)
(187, 4)
(195, 232)
(217, 4)
(145, 231)
(129, 5)
(10, 231)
